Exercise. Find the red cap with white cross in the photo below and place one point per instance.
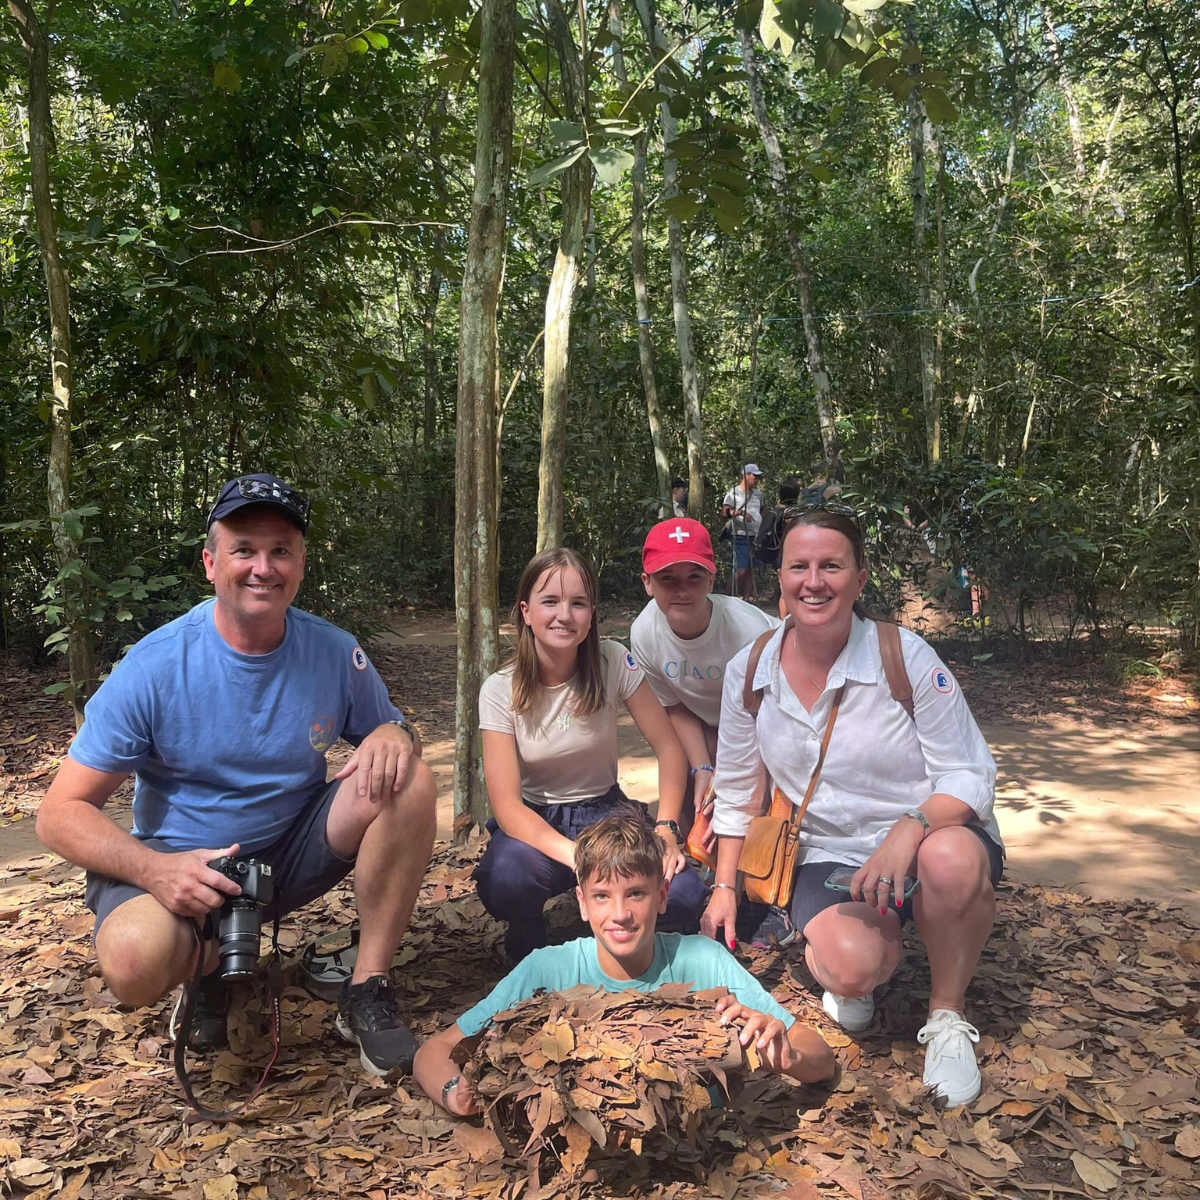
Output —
(675, 541)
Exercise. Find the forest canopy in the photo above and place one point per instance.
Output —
(946, 250)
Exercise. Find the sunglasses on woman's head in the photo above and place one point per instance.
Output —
(830, 506)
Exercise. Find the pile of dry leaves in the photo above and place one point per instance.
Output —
(1090, 1051)
(610, 1068)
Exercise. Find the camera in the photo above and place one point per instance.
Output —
(239, 920)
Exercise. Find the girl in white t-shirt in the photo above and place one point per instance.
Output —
(549, 722)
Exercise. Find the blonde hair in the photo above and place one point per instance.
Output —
(526, 681)
(621, 844)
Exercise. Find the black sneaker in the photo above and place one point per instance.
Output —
(765, 925)
(208, 1031)
(368, 1014)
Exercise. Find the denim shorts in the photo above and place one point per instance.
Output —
(810, 896)
(303, 866)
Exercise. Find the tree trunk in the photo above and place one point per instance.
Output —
(478, 403)
(1073, 122)
(935, 443)
(63, 411)
(679, 277)
(919, 133)
(434, 485)
(560, 297)
(641, 296)
(808, 313)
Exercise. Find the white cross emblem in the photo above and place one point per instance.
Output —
(679, 534)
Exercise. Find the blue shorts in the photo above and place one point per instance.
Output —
(741, 547)
(810, 896)
(303, 866)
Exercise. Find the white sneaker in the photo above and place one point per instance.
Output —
(852, 1013)
(950, 1066)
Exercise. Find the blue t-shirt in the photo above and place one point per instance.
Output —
(678, 958)
(229, 747)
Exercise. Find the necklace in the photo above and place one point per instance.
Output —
(800, 662)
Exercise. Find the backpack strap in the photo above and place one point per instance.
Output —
(893, 664)
(752, 696)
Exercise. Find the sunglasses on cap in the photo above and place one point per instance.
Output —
(271, 491)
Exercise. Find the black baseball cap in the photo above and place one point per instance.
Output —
(261, 489)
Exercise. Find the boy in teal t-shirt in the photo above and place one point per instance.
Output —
(621, 891)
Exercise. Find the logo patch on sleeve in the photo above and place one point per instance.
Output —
(942, 680)
(630, 661)
(358, 657)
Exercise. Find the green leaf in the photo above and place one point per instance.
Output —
(682, 208)
(357, 45)
(727, 203)
(910, 55)
(877, 70)
(827, 20)
(611, 162)
(73, 525)
(679, 107)
(820, 172)
(772, 31)
(565, 133)
(296, 57)
(172, 213)
(378, 40)
(334, 59)
(225, 78)
(555, 166)
(938, 106)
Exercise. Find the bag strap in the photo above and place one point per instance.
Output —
(797, 813)
(752, 696)
(893, 664)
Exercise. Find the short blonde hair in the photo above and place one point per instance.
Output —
(622, 845)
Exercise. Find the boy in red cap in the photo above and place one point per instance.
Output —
(684, 637)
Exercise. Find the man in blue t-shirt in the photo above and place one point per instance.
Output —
(621, 892)
(224, 717)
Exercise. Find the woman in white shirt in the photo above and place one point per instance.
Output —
(896, 796)
(549, 722)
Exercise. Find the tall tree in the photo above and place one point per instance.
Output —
(637, 258)
(475, 594)
(679, 271)
(796, 252)
(560, 296)
(66, 528)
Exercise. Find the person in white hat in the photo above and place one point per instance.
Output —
(743, 507)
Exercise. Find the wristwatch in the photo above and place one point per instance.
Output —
(918, 816)
(672, 827)
(448, 1087)
(405, 726)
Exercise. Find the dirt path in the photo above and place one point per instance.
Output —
(1099, 788)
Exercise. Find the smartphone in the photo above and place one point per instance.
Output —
(839, 881)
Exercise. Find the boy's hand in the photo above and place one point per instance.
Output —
(768, 1033)
(461, 1099)
(674, 860)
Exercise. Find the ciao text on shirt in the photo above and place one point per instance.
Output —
(682, 669)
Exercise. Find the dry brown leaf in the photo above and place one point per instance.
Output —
(224, 1187)
(971, 1160)
(921, 1146)
(357, 1153)
(9, 1148)
(1102, 1176)
(1187, 1141)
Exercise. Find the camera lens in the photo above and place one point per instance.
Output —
(239, 932)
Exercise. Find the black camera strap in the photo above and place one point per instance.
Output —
(275, 989)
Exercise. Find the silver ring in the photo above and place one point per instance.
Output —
(884, 879)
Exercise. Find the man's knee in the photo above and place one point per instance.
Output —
(143, 951)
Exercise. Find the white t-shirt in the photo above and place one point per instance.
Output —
(679, 507)
(689, 671)
(880, 762)
(563, 758)
(735, 498)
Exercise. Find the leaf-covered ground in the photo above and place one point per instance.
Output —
(1089, 1014)
(1090, 1052)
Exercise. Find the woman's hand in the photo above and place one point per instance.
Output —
(674, 860)
(720, 917)
(704, 807)
(881, 877)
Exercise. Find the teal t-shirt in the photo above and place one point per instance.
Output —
(678, 958)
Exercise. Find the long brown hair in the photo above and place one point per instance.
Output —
(843, 523)
(526, 681)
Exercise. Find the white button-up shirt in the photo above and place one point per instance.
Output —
(880, 762)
